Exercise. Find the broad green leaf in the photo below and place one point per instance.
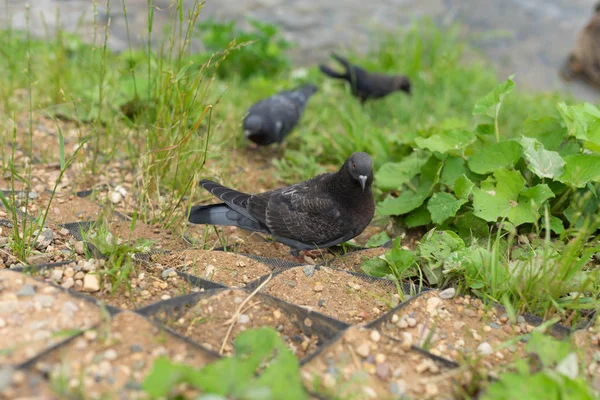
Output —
(444, 142)
(453, 168)
(436, 246)
(395, 174)
(463, 187)
(556, 225)
(583, 121)
(495, 156)
(547, 130)
(378, 239)
(468, 225)
(581, 169)
(376, 267)
(491, 202)
(491, 102)
(409, 200)
(549, 350)
(443, 206)
(418, 217)
(539, 193)
(542, 162)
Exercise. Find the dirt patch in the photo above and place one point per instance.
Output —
(35, 316)
(333, 293)
(209, 320)
(148, 283)
(458, 328)
(26, 385)
(162, 239)
(353, 260)
(54, 244)
(226, 268)
(588, 343)
(363, 364)
(112, 360)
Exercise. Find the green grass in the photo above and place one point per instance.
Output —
(176, 116)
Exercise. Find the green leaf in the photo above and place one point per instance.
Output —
(418, 217)
(454, 167)
(395, 174)
(491, 202)
(237, 376)
(446, 141)
(556, 225)
(378, 239)
(463, 187)
(583, 121)
(436, 246)
(495, 156)
(549, 350)
(409, 200)
(539, 193)
(581, 169)
(443, 206)
(468, 225)
(542, 162)
(376, 267)
(491, 102)
(547, 130)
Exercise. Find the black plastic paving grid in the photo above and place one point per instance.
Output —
(330, 329)
(322, 326)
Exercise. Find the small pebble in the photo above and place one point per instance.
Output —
(448, 293)
(383, 371)
(243, 319)
(493, 325)
(485, 349)
(487, 328)
(56, 275)
(380, 358)
(26, 290)
(110, 354)
(411, 322)
(91, 283)
(375, 336)
(309, 270)
(395, 318)
(318, 288)
(68, 283)
(363, 350)
(166, 272)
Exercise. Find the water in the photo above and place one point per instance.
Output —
(530, 38)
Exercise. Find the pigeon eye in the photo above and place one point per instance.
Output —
(353, 166)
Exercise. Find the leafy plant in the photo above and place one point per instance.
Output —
(263, 367)
(245, 54)
(551, 372)
(456, 174)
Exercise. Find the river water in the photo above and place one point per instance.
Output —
(530, 38)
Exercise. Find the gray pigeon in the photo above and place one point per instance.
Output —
(367, 85)
(272, 119)
(321, 212)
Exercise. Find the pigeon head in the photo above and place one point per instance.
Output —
(402, 83)
(252, 125)
(360, 167)
(309, 89)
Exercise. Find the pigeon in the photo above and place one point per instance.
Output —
(318, 213)
(367, 85)
(584, 61)
(272, 119)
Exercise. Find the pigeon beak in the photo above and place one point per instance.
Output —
(363, 181)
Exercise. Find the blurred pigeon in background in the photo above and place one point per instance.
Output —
(366, 85)
(321, 212)
(272, 119)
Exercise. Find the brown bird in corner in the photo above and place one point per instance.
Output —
(366, 85)
(584, 60)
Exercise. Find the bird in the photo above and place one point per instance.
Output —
(270, 120)
(367, 85)
(321, 212)
(584, 61)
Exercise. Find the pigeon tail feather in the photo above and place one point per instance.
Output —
(223, 215)
(328, 71)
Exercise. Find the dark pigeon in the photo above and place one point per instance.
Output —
(366, 85)
(272, 119)
(321, 212)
